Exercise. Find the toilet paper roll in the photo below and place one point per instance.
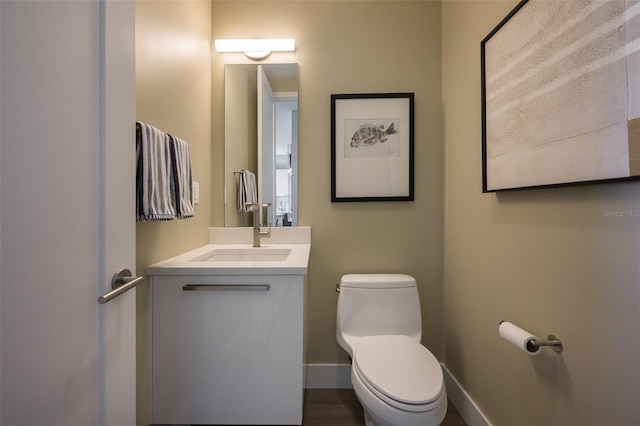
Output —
(519, 337)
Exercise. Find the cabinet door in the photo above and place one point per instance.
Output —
(227, 355)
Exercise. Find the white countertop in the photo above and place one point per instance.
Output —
(297, 239)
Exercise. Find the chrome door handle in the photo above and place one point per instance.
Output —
(121, 282)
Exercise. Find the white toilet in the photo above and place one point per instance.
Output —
(396, 379)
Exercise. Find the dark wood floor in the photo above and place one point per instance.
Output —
(340, 407)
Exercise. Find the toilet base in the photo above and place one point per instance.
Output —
(377, 413)
(368, 421)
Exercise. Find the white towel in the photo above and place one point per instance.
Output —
(247, 190)
(154, 200)
(183, 183)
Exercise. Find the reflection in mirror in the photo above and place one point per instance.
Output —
(261, 136)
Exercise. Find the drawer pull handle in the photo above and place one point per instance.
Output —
(226, 287)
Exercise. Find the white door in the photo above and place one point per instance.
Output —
(67, 205)
(266, 143)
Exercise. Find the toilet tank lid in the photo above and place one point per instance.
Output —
(377, 281)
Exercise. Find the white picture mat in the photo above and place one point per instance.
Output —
(373, 176)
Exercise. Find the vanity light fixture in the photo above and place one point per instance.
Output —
(257, 48)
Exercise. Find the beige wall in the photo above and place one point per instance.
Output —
(173, 93)
(550, 260)
(352, 47)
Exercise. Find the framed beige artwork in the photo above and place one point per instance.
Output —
(561, 95)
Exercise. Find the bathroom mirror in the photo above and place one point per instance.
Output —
(261, 136)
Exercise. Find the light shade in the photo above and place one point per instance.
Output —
(257, 48)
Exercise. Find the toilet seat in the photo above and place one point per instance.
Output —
(399, 371)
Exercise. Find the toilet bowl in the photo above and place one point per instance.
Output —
(396, 379)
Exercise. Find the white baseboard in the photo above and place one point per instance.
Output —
(328, 376)
(338, 376)
(467, 408)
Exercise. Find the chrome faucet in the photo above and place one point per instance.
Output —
(257, 233)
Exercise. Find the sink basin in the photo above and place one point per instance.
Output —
(230, 253)
(253, 254)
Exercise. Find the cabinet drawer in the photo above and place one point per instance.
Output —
(227, 350)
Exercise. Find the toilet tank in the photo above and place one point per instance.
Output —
(377, 304)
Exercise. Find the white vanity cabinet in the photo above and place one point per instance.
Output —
(227, 349)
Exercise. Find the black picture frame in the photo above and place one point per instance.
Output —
(372, 147)
(560, 98)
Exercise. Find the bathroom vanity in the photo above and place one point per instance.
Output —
(228, 330)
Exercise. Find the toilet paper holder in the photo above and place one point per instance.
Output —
(552, 341)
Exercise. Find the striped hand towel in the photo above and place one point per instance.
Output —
(247, 190)
(154, 200)
(183, 183)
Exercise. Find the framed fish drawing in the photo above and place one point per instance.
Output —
(372, 147)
